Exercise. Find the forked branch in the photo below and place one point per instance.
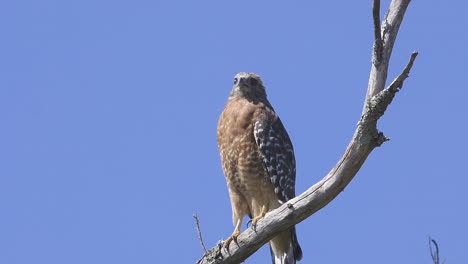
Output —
(365, 139)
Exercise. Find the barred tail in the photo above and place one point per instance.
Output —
(285, 248)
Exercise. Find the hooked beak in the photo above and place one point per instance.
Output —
(243, 82)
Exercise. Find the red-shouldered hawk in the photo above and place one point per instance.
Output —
(258, 162)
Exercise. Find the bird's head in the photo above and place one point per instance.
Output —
(248, 85)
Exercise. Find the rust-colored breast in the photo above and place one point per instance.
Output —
(240, 158)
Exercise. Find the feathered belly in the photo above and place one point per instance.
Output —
(249, 177)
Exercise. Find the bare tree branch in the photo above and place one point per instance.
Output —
(435, 252)
(197, 225)
(398, 82)
(378, 43)
(365, 139)
(381, 60)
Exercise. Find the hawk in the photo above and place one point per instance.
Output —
(258, 161)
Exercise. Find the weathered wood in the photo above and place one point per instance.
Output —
(383, 47)
(365, 139)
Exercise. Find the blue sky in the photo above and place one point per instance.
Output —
(109, 111)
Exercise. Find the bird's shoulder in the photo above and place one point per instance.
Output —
(243, 112)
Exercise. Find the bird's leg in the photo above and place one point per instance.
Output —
(262, 214)
(235, 234)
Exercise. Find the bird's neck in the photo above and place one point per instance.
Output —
(253, 96)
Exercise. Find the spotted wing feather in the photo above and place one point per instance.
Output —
(277, 153)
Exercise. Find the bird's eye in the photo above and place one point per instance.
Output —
(253, 82)
(235, 80)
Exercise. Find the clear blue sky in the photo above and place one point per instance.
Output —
(108, 113)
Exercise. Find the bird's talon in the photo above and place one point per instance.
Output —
(230, 239)
(254, 220)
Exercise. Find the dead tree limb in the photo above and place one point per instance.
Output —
(435, 252)
(197, 226)
(365, 139)
(385, 36)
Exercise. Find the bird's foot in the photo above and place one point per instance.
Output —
(254, 220)
(231, 238)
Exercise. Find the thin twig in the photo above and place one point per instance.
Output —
(434, 254)
(398, 82)
(199, 233)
